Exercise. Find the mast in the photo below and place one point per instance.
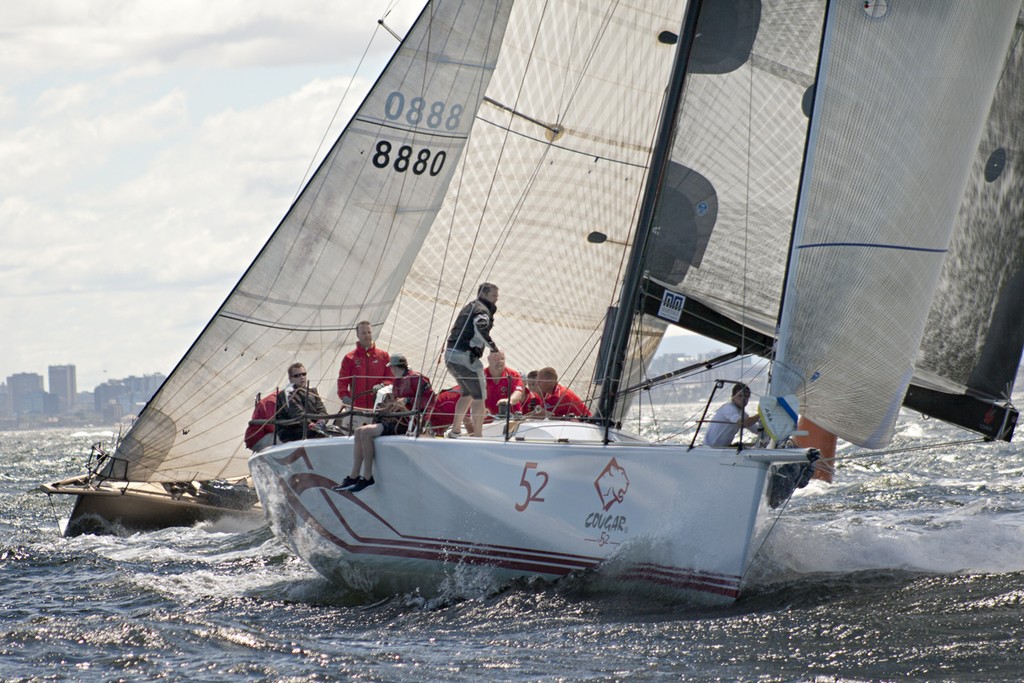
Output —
(628, 299)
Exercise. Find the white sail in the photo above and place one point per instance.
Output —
(339, 256)
(560, 149)
(901, 101)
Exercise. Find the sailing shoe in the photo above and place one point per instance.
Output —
(452, 435)
(349, 481)
(361, 484)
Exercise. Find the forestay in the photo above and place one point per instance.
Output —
(901, 102)
(339, 255)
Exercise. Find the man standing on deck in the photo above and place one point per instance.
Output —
(362, 369)
(463, 351)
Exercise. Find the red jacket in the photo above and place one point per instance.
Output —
(264, 411)
(502, 387)
(442, 414)
(361, 370)
(406, 386)
(562, 402)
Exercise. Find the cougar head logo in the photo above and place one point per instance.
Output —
(611, 485)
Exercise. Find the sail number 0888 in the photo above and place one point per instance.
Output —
(434, 115)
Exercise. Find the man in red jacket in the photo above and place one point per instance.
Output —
(504, 385)
(559, 401)
(362, 369)
(258, 437)
(443, 411)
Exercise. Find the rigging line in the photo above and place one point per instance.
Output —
(466, 152)
(337, 110)
(922, 447)
(460, 292)
(588, 348)
(563, 108)
(767, 534)
(490, 187)
(606, 22)
(326, 164)
(746, 206)
(490, 262)
(424, 79)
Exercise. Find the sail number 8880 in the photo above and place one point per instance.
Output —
(403, 159)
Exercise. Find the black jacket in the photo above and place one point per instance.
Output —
(299, 403)
(472, 328)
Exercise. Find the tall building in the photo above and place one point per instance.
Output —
(25, 393)
(129, 395)
(63, 385)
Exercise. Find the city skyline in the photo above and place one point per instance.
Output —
(27, 401)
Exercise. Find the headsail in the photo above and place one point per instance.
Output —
(338, 256)
(899, 110)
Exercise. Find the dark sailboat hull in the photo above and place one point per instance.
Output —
(131, 507)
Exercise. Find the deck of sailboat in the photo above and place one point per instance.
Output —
(145, 506)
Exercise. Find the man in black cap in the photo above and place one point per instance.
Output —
(410, 392)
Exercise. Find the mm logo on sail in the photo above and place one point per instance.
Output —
(671, 306)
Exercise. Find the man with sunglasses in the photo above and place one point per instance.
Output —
(298, 400)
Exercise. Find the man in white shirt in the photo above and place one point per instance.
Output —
(726, 420)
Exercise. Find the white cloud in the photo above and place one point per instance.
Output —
(149, 149)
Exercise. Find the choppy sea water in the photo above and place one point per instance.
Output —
(909, 567)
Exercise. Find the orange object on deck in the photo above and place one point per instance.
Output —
(822, 439)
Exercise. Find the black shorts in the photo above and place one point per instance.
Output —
(394, 427)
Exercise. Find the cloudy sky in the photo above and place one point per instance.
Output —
(148, 149)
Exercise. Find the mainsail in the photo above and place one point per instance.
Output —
(900, 105)
(339, 255)
(560, 150)
(725, 224)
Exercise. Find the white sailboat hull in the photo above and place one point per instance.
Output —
(442, 512)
